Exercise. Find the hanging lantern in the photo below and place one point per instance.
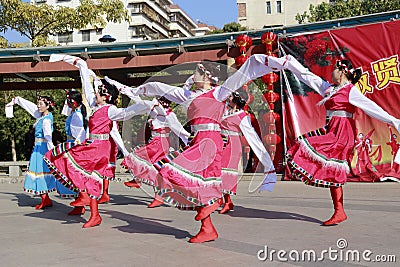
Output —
(272, 139)
(268, 38)
(244, 42)
(240, 60)
(270, 97)
(251, 99)
(271, 117)
(270, 78)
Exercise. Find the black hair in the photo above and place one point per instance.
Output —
(112, 90)
(352, 74)
(240, 98)
(164, 102)
(213, 68)
(76, 96)
(49, 101)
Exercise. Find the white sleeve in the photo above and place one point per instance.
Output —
(253, 68)
(172, 93)
(372, 109)
(262, 154)
(77, 129)
(123, 114)
(47, 132)
(123, 89)
(177, 128)
(27, 105)
(118, 139)
(303, 74)
(84, 72)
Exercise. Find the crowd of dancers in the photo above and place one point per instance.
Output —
(204, 175)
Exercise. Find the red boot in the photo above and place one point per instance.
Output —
(82, 200)
(203, 212)
(339, 215)
(228, 204)
(105, 198)
(156, 202)
(46, 202)
(207, 232)
(95, 218)
(77, 211)
(132, 183)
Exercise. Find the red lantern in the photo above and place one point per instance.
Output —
(272, 139)
(251, 99)
(268, 38)
(240, 60)
(270, 97)
(271, 117)
(243, 42)
(270, 78)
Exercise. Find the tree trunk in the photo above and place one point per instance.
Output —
(13, 151)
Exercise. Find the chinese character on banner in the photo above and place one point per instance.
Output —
(363, 84)
(386, 70)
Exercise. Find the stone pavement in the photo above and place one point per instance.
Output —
(287, 219)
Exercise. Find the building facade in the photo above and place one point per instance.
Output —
(258, 14)
(150, 19)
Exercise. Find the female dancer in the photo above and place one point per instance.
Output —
(75, 127)
(140, 161)
(234, 123)
(38, 179)
(193, 179)
(321, 160)
(84, 166)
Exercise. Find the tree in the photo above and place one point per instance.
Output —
(230, 27)
(37, 22)
(12, 130)
(346, 8)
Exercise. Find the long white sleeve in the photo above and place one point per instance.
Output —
(172, 93)
(122, 88)
(372, 109)
(253, 68)
(77, 129)
(118, 139)
(176, 127)
(262, 154)
(303, 74)
(27, 105)
(48, 133)
(123, 114)
(84, 72)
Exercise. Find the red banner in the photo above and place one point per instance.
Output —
(373, 48)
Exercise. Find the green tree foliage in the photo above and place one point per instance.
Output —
(15, 128)
(230, 27)
(37, 22)
(346, 8)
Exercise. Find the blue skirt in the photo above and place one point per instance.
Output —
(38, 179)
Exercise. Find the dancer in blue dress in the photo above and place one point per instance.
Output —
(38, 179)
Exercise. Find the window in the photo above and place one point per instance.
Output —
(65, 37)
(172, 17)
(99, 31)
(278, 6)
(85, 35)
(268, 6)
(136, 8)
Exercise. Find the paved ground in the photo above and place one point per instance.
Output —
(287, 219)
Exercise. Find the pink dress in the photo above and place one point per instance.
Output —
(193, 178)
(84, 166)
(232, 152)
(319, 158)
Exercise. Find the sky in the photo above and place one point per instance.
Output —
(211, 12)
